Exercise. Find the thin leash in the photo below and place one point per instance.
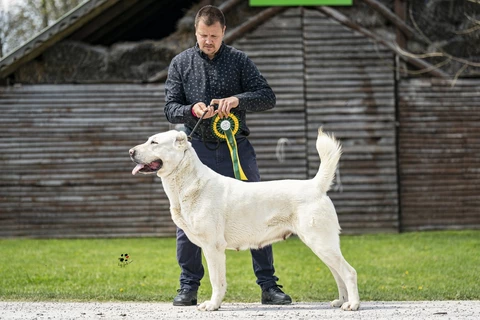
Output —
(189, 137)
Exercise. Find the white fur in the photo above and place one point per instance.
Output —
(219, 213)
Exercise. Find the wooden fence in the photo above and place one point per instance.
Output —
(439, 143)
(66, 169)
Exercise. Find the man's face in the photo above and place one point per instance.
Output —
(209, 38)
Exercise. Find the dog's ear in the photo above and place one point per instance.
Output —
(181, 140)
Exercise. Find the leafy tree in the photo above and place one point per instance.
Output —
(23, 19)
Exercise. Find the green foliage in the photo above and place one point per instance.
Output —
(410, 266)
(22, 20)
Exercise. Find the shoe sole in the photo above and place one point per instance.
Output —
(185, 303)
(277, 303)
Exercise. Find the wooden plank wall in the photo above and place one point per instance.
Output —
(350, 91)
(439, 143)
(65, 169)
(278, 135)
(67, 172)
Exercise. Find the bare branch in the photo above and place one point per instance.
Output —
(459, 72)
(420, 56)
(445, 54)
(428, 69)
(387, 13)
(472, 29)
(423, 65)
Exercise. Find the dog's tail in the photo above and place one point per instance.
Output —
(329, 151)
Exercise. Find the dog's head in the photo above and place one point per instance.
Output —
(161, 153)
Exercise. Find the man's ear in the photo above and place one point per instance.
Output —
(181, 140)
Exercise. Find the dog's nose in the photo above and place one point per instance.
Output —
(132, 152)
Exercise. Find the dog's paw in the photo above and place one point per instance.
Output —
(351, 306)
(208, 306)
(337, 303)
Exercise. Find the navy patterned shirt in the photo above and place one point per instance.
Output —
(193, 77)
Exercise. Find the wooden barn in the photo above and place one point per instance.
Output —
(75, 98)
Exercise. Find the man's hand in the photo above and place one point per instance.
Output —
(225, 105)
(199, 108)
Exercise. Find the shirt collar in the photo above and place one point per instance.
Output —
(204, 56)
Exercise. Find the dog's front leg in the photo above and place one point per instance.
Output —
(216, 263)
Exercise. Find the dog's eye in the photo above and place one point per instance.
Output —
(154, 142)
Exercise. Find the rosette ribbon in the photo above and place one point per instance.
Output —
(226, 129)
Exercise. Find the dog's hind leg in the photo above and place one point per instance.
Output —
(216, 262)
(344, 274)
(342, 289)
(346, 278)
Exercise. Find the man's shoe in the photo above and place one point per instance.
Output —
(185, 297)
(274, 295)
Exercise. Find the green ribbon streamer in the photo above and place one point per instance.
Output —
(232, 145)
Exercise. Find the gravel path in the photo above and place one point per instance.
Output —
(237, 311)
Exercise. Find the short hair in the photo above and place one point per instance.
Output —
(210, 15)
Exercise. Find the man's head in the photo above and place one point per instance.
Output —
(210, 29)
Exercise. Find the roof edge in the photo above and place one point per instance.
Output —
(63, 27)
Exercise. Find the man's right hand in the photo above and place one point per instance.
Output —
(200, 107)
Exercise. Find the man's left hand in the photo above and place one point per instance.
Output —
(225, 105)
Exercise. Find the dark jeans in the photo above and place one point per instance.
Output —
(189, 255)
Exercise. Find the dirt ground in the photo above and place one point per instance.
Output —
(237, 311)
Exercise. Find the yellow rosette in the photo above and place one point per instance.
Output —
(225, 129)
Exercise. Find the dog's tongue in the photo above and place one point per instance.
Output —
(137, 168)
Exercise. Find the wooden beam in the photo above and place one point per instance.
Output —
(229, 5)
(419, 63)
(252, 23)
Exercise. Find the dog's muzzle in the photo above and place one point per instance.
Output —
(145, 167)
(148, 168)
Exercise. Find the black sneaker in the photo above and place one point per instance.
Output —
(185, 297)
(274, 295)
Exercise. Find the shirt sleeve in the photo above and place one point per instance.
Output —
(177, 110)
(257, 95)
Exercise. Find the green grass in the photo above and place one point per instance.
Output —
(411, 266)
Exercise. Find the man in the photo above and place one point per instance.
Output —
(212, 73)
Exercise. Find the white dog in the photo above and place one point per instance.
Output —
(218, 212)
